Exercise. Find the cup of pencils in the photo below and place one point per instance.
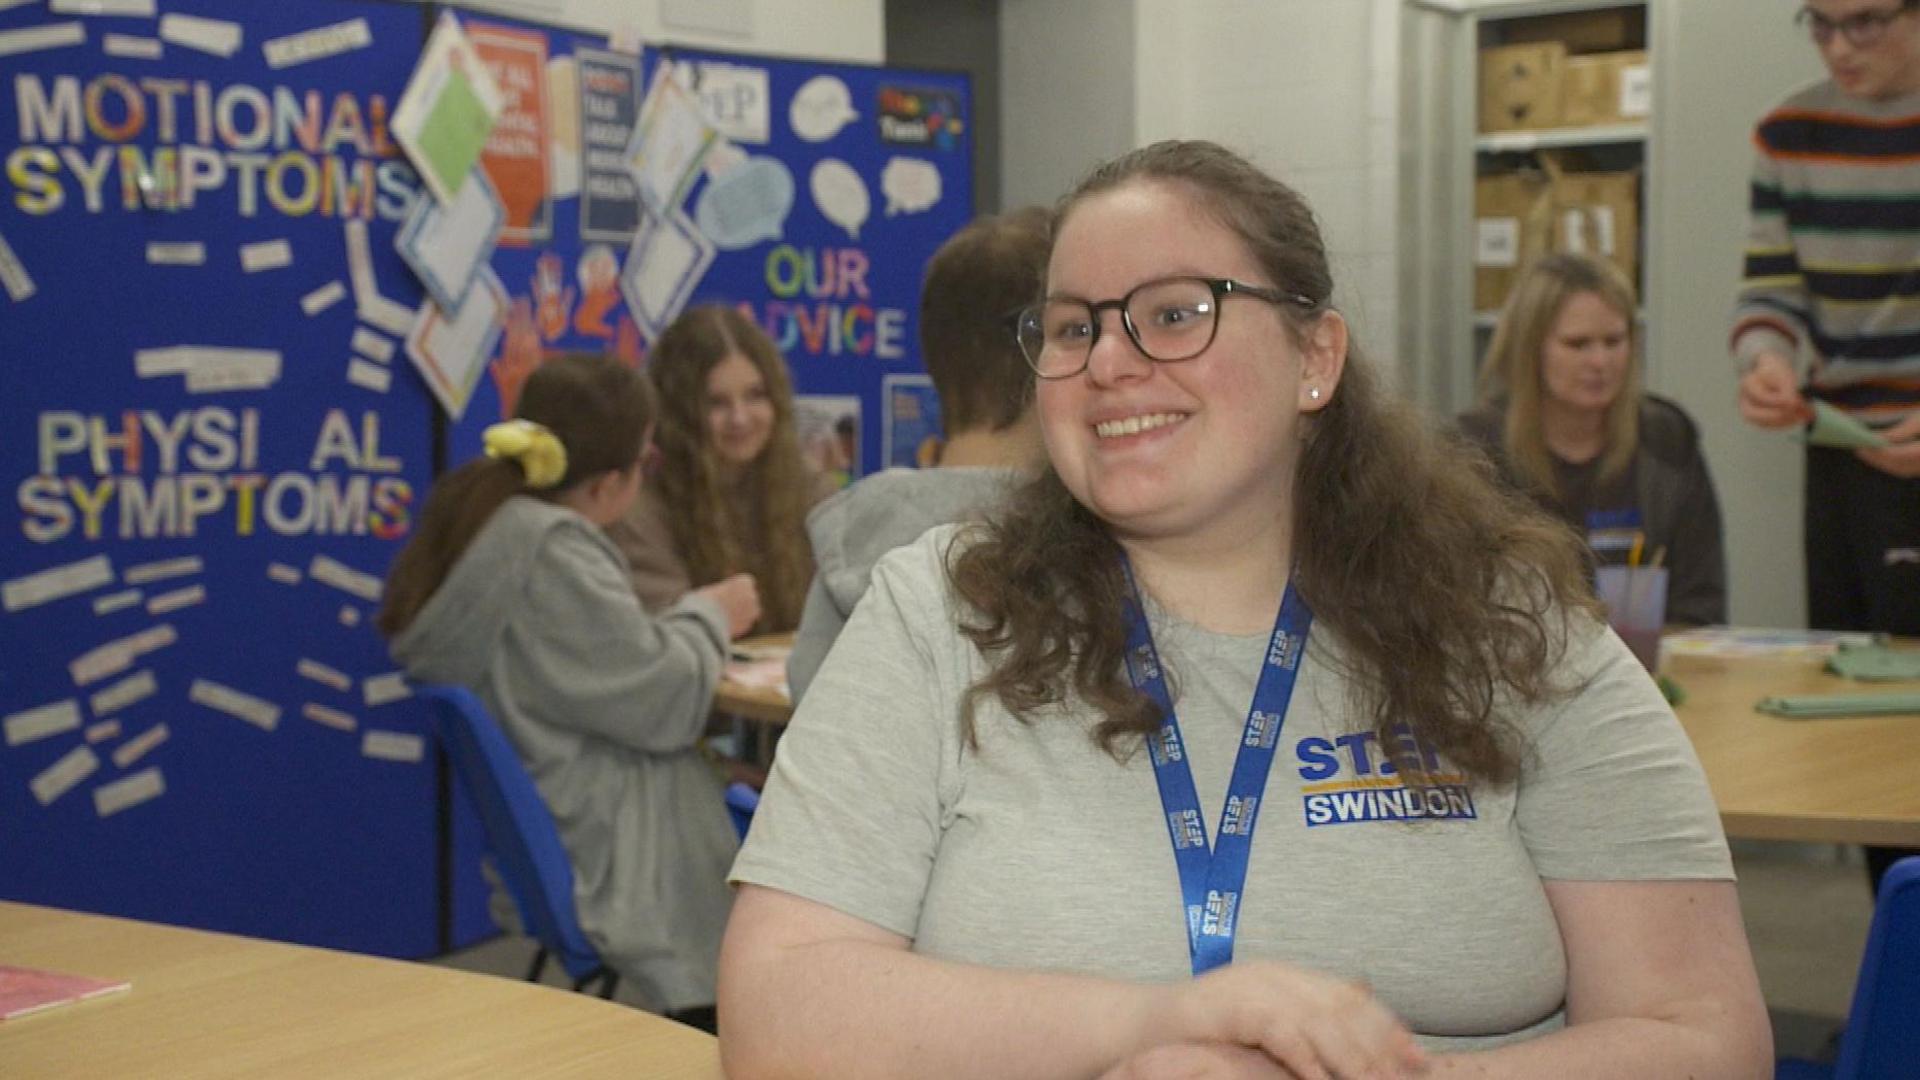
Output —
(1635, 596)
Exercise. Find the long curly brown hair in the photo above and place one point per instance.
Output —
(1447, 592)
(759, 526)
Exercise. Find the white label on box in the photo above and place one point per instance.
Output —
(1603, 230)
(42, 722)
(110, 799)
(1573, 232)
(1636, 91)
(1496, 241)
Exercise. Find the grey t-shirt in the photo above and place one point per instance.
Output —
(1037, 850)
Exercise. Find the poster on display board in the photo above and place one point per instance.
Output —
(213, 453)
(809, 194)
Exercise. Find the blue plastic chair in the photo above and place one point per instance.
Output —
(520, 834)
(1882, 1037)
(742, 801)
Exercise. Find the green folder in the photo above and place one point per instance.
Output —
(1875, 663)
(1831, 427)
(1824, 706)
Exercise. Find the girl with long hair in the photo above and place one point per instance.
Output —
(510, 589)
(1563, 414)
(1262, 734)
(732, 491)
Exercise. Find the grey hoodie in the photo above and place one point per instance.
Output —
(852, 530)
(604, 703)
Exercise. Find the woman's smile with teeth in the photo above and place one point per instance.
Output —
(1134, 425)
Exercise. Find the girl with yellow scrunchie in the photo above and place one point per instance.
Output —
(510, 589)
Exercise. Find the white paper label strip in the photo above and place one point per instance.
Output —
(59, 778)
(120, 601)
(36, 38)
(148, 573)
(136, 748)
(381, 689)
(349, 616)
(332, 718)
(133, 48)
(143, 786)
(56, 582)
(117, 656)
(104, 730)
(393, 317)
(324, 675)
(131, 8)
(128, 691)
(360, 263)
(185, 253)
(284, 574)
(256, 711)
(13, 274)
(265, 255)
(372, 345)
(323, 298)
(369, 375)
(317, 44)
(177, 599)
(328, 571)
(255, 372)
(393, 746)
(155, 363)
(208, 35)
(45, 721)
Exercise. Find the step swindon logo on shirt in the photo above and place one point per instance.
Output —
(1348, 780)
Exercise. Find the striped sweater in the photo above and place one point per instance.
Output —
(1833, 248)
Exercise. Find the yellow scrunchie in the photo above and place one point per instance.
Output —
(541, 456)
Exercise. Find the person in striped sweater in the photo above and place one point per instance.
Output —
(1833, 268)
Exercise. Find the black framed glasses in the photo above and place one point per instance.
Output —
(1862, 29)
(1168, 319)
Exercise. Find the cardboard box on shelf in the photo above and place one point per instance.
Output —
(1606, 88)
(1520, 86)
(1513, 224)
(1598, 214)
(1601, 30)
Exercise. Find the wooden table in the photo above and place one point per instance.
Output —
(1835, 781)
(759, 703)
(214, 1005)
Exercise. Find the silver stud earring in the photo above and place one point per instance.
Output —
(1313, 392)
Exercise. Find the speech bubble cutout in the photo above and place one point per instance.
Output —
(911, 186)
(746, 204)
(841, 195)
(821, 108)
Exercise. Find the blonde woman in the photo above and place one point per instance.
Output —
(733, 491)
(1563, 414)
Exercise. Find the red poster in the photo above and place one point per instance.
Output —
(516, 155)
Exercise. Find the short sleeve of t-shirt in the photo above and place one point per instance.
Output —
(853, 809)
(1611, 788)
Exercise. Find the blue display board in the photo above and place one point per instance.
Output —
(826, 192)
(202, 503)
(216, 444)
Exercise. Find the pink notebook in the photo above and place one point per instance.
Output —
(29, 990)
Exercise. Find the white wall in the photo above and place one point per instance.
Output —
(1067, 78)
(1700, 159)
(850, 30)
(1302, 87)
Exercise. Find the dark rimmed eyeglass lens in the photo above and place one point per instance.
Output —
(1171, 320)
(1862, 30)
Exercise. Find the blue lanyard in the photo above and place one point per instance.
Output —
(1212, 883)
